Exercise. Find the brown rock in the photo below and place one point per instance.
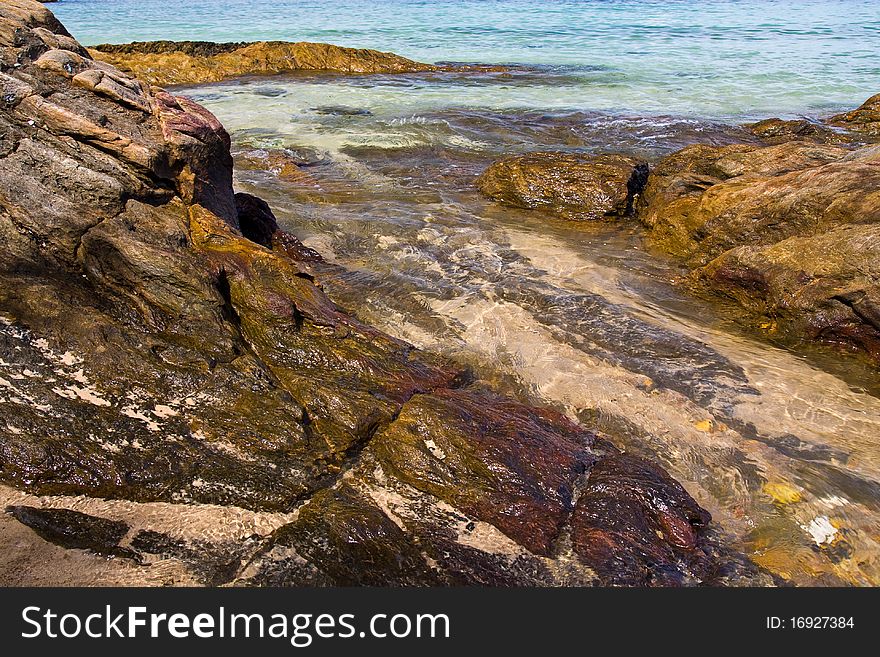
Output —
(777, 131)
(165, 63)
(277, 161)
(822, 286)
(573, 186)
(620, 507)
(864, 120)
(787, 230)
(498, 460)
(705, 199)
(163, 340)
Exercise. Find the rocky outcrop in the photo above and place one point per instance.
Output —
(865, 120)
(791, 231)
(571, 185)
(686, 199)
(162, 341)
(166, 63)
(777, 131)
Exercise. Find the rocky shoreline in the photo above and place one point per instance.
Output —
(168, 63)
(176, 63)
(168, 349)
(167, 346)
(789, 230)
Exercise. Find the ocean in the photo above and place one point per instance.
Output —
(715, 58)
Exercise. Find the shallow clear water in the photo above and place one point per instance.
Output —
(711, 58)
(779, 444)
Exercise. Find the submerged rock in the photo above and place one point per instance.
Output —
(791, 231)
(72, 529)
(166, 63)
(571, 185)
(279, 162)
(163, 341)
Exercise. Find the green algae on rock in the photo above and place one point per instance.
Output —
(163, 341)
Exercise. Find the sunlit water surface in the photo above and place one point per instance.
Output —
(717, 57)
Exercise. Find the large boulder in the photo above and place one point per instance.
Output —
(571, 185)
(824, 286)
(704, 199)
(166, 63)
(164, 342)
(788, 230)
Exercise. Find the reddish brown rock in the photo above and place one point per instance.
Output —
(510, 465)
(625, 501)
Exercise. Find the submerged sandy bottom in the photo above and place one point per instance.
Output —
(777, 441)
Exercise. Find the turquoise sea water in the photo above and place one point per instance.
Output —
(715, 58)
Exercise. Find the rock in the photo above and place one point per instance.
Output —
(72, 529)
(349, 541)
(619, 507)
(342, 110)
(777, 131)
(492, 458)
(790, 231)
(213, 564)
(573, 186)
(865, 120)
(165, 63)
(164, 341)
(823, 287)
(279, 162)
(682, 202)
(259, 225)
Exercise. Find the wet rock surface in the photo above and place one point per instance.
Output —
(571, 185)
(72, 529)
(790, 231)
(777, 131)
(864, 120)
(167, 63)
(166, 345)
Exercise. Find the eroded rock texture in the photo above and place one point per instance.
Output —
(791, 231)
(864, 120)
(164, 344)
(190, 62)
(777, 131)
